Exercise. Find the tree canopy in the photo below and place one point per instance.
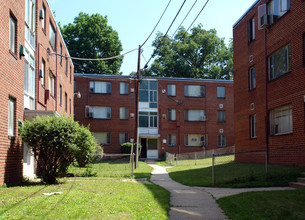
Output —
(89, 36)
(199, 54)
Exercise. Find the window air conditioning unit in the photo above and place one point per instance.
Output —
(220, 131)
(266, 20)
(220, 105)
(131, 89)
(163, 91)
(203, 118)
(131, 115)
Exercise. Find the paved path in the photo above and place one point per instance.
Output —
(196, 202)
(186, 202)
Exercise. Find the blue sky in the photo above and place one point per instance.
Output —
(135, 19)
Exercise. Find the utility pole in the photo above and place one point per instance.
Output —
(137, 107)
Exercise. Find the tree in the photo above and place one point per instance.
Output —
(199, 54)
(91, 37)
(55, 142)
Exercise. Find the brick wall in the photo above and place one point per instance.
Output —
(11, 85)
(287, 89)
(210, 103)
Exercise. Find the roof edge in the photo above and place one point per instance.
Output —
(247, 12)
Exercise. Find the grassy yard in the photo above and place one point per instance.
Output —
(233, 174)
(112, 169)
(89, 198)
(265, 205)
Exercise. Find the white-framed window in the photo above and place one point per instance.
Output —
(60, 95)
(194, 115)
(252, 119)
(98, 112)
(60, 50)
(221, 92)
(43, 66)
(29, 74)
(279, 62)
(66, 102)
(221, 140)
(221, 116)
(52, 35)
(194, 140)
(30, 14)
(124, 88)
(102, 138)
(251, 29)
(43, 22)
(281, 120)
(172, 114)
(148, 119)
(11, 116)
(100, 87)
(171, 139)
(52, 84)
(124, 113)
(252, 80)
(149, 92)
(123, 138)
(12, 33)
(66, 65)
(194, 91)
(171, 90)
(277, 8)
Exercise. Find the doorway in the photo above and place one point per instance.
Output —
(149, 148)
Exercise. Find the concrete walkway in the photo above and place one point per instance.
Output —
(196, 202)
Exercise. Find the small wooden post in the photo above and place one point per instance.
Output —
(213, 174)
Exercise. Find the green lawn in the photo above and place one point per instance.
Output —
(269, 205)
(233, 174)
(112, 169)
(89, 198)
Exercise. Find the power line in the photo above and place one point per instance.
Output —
(160, 42)
(97, 59)
(197, 16)
(184, 18)
(157, 23)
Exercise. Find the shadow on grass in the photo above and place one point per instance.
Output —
(236, 175)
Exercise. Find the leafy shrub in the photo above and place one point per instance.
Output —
(126, 148)
(56, 141)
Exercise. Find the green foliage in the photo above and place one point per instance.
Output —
(199, 54)
(126, 148)
(90, 37)
(85, 146)
(55, 141)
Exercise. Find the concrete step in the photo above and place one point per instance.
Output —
(150, 161)
(297, 185)
(301, 180)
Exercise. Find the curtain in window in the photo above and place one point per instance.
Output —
(194, 91)
(12, 34)
(194, 115)
(172, 114)
(123, 113)
(101, 112)
(123, 138)
(172, 140)
(221, 92)
(11, 117)
(123, 88)
(171, 90)
(102, 137)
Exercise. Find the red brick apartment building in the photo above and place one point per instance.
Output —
(176, 115)
(269, 77)
(34, 81)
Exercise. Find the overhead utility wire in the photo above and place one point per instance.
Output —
(146, 65)
(97, 59)
(197, 16)
(157, 23)
(184, 18)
